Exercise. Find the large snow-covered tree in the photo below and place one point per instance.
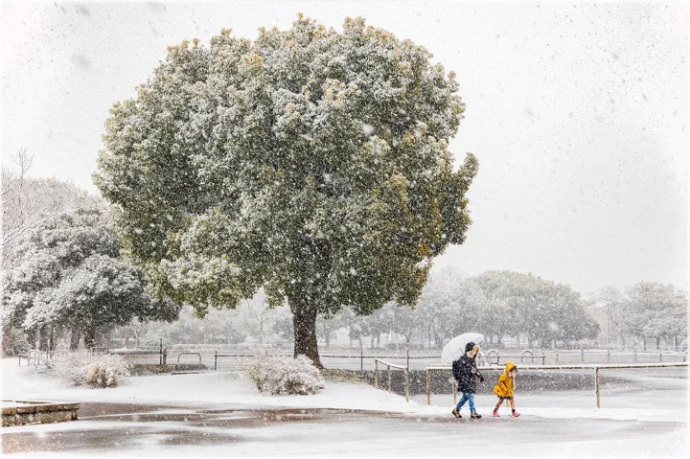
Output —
(310, 162)
(70, 273)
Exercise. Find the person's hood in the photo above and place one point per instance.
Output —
(509, 366)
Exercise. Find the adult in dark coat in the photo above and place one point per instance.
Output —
(466, 374)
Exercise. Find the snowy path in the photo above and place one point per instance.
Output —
(333, 432)
(220, 414)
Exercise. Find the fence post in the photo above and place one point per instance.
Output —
(361, 359)
(161, 351)
(428, 387)
(596, 385)
(389, 379)
(407, 385)
(215, 360)
(543, 359)
(376, 374)
(556, 357)
(608, 355)
(582, 354)
(661, 355)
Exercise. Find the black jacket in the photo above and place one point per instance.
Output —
(462, 372)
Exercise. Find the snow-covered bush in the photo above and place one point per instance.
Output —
(284, 375)
(86, 369)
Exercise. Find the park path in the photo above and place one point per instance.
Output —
(121, 429)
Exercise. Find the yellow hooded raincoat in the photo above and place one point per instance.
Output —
(505, 388)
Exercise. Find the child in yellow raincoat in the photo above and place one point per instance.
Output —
(505, 389)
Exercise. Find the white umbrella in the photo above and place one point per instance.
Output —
(456, 347)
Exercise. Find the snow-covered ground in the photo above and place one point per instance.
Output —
(630, 422)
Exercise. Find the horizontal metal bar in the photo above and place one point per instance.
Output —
(573, 367)
(402, 367)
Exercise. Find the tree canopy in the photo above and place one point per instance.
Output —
(311, 162)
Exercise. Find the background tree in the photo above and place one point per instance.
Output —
(655, 311)
(437, 306)
(358, 327)
(611, 300)
(379, 323)
(406, 322)
(70, 274)
(27, 201)
(327, 325)
(541, 309)
(310, 162)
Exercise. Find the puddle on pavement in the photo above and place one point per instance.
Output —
(162, 426)
(166, 425)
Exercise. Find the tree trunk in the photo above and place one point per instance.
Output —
(304, 323)
(90, 338)
(74, 340)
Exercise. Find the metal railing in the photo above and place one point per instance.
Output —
(393, 365)
(596, 369)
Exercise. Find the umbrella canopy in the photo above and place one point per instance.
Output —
(456, 347)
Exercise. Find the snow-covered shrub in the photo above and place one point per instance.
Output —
(85, 369)
(284, 375)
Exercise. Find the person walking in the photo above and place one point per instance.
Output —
(466, 374)
(505, 389)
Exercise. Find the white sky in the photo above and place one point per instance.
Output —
(577, 113)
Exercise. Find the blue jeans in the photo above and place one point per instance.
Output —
(465, 398)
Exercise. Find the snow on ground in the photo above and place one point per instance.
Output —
(218, 390)
(633, 421)
(201, 390)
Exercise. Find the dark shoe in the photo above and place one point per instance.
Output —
(456, 413)
(476, 416)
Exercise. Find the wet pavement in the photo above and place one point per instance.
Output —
(163, 429)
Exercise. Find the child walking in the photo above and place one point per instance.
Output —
(505, 389)
(465, 373)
